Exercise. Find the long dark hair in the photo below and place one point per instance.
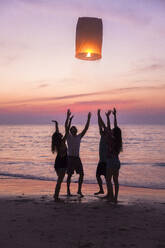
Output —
(118, 144)
(56, 141)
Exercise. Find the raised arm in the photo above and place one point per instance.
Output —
(56, 126)
(67, 119)
(100, 121)
(108, 119)
(67, 128)
(86, 126)
(100, 127)
(115, 118)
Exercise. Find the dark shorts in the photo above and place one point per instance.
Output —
(101, 169)
(60, 163)
(74, 164)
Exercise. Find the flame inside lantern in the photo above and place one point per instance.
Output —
(89, 38)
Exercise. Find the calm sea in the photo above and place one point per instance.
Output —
(25, 153)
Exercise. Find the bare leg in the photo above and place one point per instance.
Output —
(110, 194)
(61, 175)
(68, 184)
(80, 181)
(100, 183)
(116, 182)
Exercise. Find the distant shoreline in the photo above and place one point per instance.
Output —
(79, 124)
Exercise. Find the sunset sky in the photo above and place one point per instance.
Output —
(40, 77)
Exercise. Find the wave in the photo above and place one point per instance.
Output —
(162, 164)
(26, 163)
(31, 177)
(26, 176)
(89, 163)
(135, 163)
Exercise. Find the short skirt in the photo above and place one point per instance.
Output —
(61, 163)
(113, 162)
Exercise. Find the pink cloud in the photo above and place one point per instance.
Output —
(151, 67)
(83, 95)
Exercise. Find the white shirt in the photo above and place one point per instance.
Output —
(74, 145)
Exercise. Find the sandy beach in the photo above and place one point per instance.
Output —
(30, 217)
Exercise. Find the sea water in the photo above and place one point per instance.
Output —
(25, 152)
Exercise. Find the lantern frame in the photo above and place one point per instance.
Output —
(89, 36)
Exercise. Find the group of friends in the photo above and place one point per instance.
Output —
(68, 158)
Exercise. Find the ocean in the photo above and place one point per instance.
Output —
(25, 152)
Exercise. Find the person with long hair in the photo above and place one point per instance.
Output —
(59, 146)
(114, 147)
(113, 163)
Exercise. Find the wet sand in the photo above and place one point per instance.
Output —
(30, 218)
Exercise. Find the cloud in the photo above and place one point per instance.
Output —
(155, 81)
(39, 99)
(147, 65)
(11, 52)
(6, 44)
(43, 86)
(8, 59)
(130, 12)
(106, 102)
(83, 95)
(152, 67)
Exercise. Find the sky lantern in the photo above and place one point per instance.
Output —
(89, 36)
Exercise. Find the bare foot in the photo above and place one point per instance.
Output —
(100, 192)
(80, 193)
(58, 200)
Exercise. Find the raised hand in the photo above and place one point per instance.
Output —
(55, 122)
(98, 111)
(68, 113)
(108, 113)
(89, 115)
(56, 126)
(114, 111)
(71, 118)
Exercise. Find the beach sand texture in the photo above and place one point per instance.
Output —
(30, 217)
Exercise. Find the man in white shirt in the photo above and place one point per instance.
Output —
(74, 161)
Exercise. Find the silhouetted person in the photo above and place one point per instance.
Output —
(117, 147)
(59, 146)
(74, 161)
(114, 147)
(114, 141)
(101, 167)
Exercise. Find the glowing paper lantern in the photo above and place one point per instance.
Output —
(89, 32)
